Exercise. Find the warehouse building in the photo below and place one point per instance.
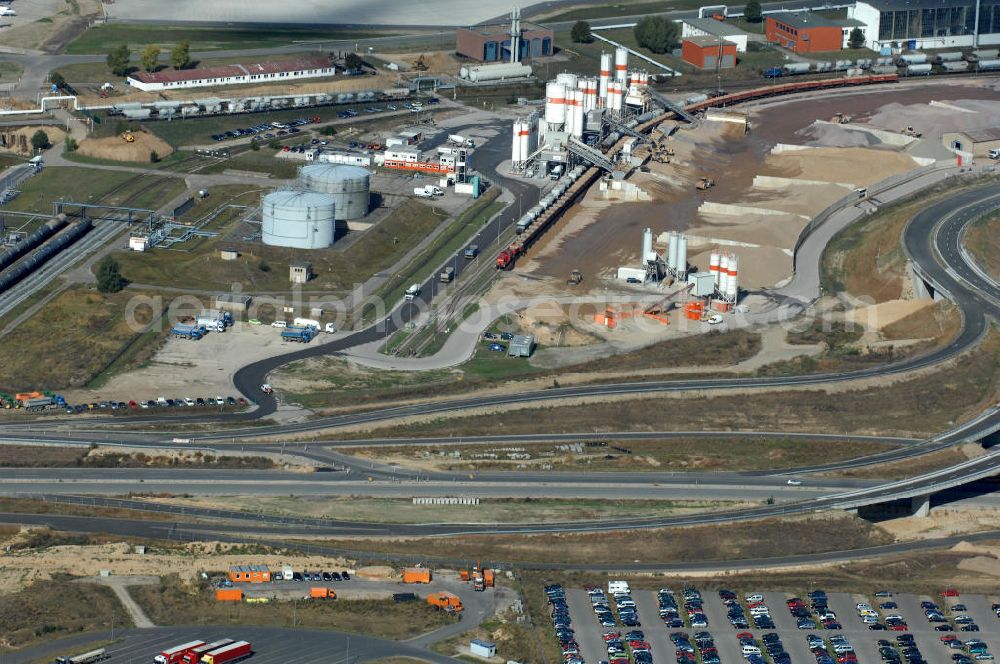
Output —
(977, 143)
(806, 32)
(491, 43)
(709, 27)
(708, 52)
(917, 24)
(277, 71)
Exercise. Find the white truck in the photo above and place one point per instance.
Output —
(307, 322)
(428, 191)
(461, 140)
(287, 573)
(412, 292)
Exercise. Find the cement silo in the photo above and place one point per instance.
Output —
(299, 219)
(349, 186)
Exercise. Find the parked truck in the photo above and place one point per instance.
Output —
(478, 584)
(416, 575)
(234, 652)
(446, 601)
(213, 319)
(489, 578)
(447, 275)
(322, 593)
(194, 655)
(188, 331)
(228, 595)
(86, 658)
(307, 322)
(461, 140)
(176, 654)
(471, 252)
(428, 191)
(298, 334)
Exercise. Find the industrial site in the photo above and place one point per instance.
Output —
(565, 332)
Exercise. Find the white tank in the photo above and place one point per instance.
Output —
(605, 76)
(723, 272)
(525, 140)
(621, 64)
(647, 246)
(299, 219)
(498, 72)
(672, 250)
(349, 186)
(713, 264)
(733, 277)
(682, 253)
(555, 103)
(578, 113)
(515, 146)
(567, 79)
(570, 116)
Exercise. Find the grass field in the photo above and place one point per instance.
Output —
(264, 268)
(722, 454)
(77, 184)
(172, 603)
(102, 38)
(37, 614)
(983, 242)
(960, 390)
(614, 10)
(77, 333)
(28, 456)
(487, 369)
(754, 539)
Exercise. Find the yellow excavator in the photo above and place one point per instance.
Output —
(128, 137)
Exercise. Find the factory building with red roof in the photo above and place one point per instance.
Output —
(236, 74)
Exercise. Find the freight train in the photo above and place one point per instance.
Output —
(49, 229)
(912, 64)
(36, 259)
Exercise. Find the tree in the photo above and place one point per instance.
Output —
(151, 57)
(154, 156)
(753, 12)
(656, 33)
(353, 61)
(581, 33)
(56, 79)
(71, 144)
(856, 39)
(109, 276)
(180, 57)
(40, 140)
(118, 60)
(254, 144)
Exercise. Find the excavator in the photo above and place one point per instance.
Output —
(704, 183)
(419, 64)
(128, 137)
(575, 278)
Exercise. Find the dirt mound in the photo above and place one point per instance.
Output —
(19, 140)
(117, 149)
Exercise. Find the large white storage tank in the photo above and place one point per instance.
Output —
(299, 219)
(349, 186)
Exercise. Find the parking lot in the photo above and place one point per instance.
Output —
(642, 625)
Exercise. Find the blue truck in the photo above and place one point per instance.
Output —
(298, 334)
(188, 331)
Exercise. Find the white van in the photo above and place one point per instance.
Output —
(618, 587)
(280, 323)
(750, 650)
(995, 153)
(412, 292)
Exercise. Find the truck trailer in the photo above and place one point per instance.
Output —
(234, 652)
(298, 334)
(86, 658)
(446, 601)
(416, 575)
(194, 655)
(175, 655)
(447, 275)
(188, 331)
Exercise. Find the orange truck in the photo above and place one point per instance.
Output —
(489, 578)
(416, 575)
(322, 593)
(228, 595)
(446, 601)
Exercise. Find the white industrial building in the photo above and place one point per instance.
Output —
(277, 71)
(919, 24)
(709, 27)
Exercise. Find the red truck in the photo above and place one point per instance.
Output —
(194, 655)
(234, 652)
(174, 655)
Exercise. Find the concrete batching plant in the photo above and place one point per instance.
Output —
(724, 267)
(299, 219)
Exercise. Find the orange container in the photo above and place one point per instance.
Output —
(322, 593)
(464, 575)
(722, 307)
(416, 575)
(24, 396)
(228, 595)
(445, 600)
(489, 578)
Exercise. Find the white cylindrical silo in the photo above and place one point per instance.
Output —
(672, 250)
(299, 219)
(349, 185)
(602, 90)
(578, 113)
(555, 103)
(567, 79)
(733, 288)
(515, 144)
(621, 64)
(647, 246)
(713, 264)
(525, 137)
(682, 253)
(568, 124)
(723, 281)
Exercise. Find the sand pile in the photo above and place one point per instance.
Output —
(858, 166)
(19, 140)
(117, 149)
(822, 134)
(936, 119)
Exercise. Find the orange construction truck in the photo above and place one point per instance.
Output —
(489, 578)
(446, 601)
(322, 593)
(228, 595)
(416, 575)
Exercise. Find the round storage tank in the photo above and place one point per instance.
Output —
(300, 219)
(347, 184)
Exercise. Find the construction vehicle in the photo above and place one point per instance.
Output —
(194, 655)
(86, 658)
(420, 64)
(188, 331)
(301, 335)
(234, 652)
(228, 595)
(843, 118)
(322, 593)
(489, 578)
(575, 277)
(704, 183)
(174, 655)
(446, 601)
(478, 584)
(910, 131)
(128, 137)
(416, 575)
